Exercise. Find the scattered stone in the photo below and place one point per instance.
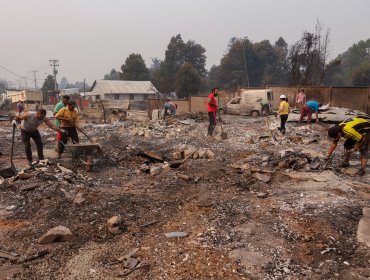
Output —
(70, 195)
(166, 167)
(202, 153)
(176, 155)
(79, 198)
(57, 234)
(11, 207)
(147, 133)
(210, 154)
(262, 195)
(176, 234)
(183, 176)
(262, 177)
(116, 225)
(155, 170)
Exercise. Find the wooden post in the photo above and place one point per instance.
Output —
(330, 95)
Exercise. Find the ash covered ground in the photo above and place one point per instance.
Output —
(257, 205)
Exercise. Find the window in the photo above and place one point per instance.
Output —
(132, 97)
(235, 101)
(116, 96)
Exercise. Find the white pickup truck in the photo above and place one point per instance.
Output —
(254, 102)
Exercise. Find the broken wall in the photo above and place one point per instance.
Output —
(352, 98)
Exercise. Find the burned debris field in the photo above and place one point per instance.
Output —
(163, 201)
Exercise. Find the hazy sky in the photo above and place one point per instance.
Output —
(90, 37)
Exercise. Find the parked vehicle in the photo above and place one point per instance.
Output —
(254, 102)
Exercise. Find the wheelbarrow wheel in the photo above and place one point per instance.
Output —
(89, 163)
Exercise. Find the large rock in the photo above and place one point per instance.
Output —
(57, 234)
(262, 177)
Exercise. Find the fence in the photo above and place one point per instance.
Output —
(355, 98)
(194, 104)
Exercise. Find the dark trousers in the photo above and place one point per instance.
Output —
(26, 138)
(72, 133)
(283, 119)
(212, 122)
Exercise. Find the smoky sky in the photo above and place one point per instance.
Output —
(90, 37)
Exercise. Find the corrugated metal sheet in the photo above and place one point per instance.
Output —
(122, 87)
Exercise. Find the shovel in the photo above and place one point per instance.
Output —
(10, 171)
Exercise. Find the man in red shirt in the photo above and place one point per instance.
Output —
(212, 110)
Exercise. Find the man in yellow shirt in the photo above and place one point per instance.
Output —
(283, 112)
(357, 134)
(69, 120)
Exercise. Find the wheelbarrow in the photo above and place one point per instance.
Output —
(83, 153)
(10, 171)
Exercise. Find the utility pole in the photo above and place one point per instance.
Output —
(245, 62)
(25, 81)
(55, 64)
(34, 77)
(84, 86)
(19, 84)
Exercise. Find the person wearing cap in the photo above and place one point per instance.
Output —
(283, 112)
(69, 120)
(61, 104)
(29, 129)
(308, 109)
(356, 131)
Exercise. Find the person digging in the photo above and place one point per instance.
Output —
(29, 129)
(357, 134)
(69, 120)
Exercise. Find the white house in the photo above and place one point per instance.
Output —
(122, 90)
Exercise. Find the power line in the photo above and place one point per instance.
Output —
(18, 75)
(34, 76)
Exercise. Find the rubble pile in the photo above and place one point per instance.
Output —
(164, 201)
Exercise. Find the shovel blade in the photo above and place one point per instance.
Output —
(8, 172)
